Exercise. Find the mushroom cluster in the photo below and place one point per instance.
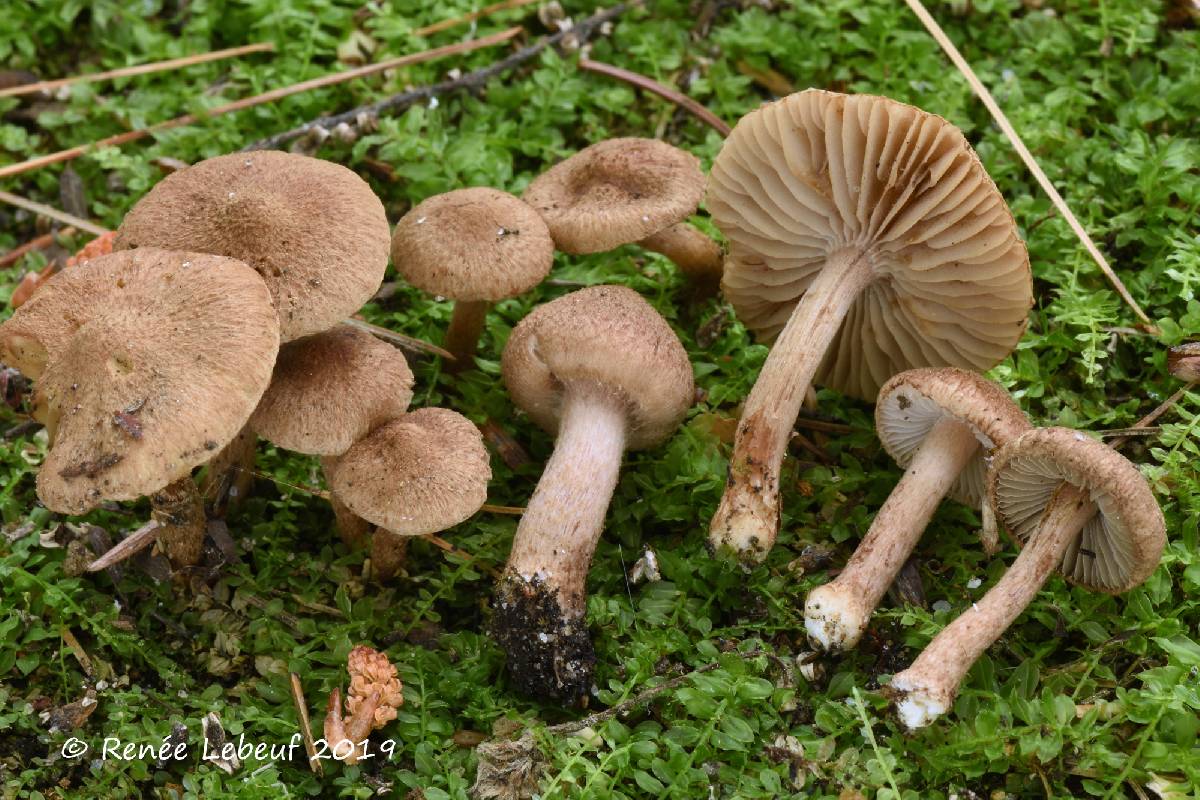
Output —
(865, 241)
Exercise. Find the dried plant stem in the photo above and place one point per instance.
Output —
(51, 212)
(977, 86)
(667, 93)
(132, 544)
(447, 24)
(40, 243)
(140, 69)
(260, 99)
(310, 745)
(1147, 420)
(399, 339)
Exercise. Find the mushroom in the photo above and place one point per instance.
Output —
(1076, 505)
(941, 425)
(313, 229)
(604, 372)
(146, 363)
(418, 474)
(328, 391)
(476, 246)
(1183, 361)
(866, 236)
(622, 191)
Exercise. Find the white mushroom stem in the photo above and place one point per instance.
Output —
(564, 519)
(836, 614)
(927, 689)
(698, 257)
(747, 520)
(540, 599)
(462, 337)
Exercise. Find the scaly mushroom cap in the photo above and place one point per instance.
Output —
(1121, 545)
(473, 244)
(911, 403)
(147, 363)
(313, 229)
(818, 173)
(607, 335)
(616, 192)
(331, 389)
(421, 473)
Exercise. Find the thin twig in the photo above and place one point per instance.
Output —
(258, 100)
(475, 80)
(977, 86)
(140, 69)
(513, 511)
(400, 340)
(822, 426)
(1147, 420)
(40, 243)
(132, 544)
(51, 212)
(310, 745)
(447, 24)
(77, 650)
(667, 93)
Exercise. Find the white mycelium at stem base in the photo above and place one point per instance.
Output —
(929, 686)
(836, 614)
(552, 551)
(747, 521)
(868, 237)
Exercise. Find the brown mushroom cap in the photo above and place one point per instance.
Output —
(607, 335)
(473, 244)
(148, 362)
(313, 229)
(913, 402)
(331, 389)
(1121, 545)
(819, 173)
(421, 473)
(616, 192)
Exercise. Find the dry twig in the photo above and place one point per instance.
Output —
(51, 212)
(258, 100)
(666, 92)
(475, 80)
(140, 69)
(446, 24)
(977, 86)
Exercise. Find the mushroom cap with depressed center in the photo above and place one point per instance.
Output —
(331, 389)
(421, 473)
(150, 362)
(1121, 545)
(608, 336)
(913, 402)
(818, 174)
(313, 229)
(473, 244)
(616, 192)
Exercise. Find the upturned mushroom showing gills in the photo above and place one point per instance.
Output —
(865, 238)
(605, 373)
(623, 191)
(1076, 505)
(1184, 361)
(419, 474)
(476, 246)
(146, 363)
(313, 229)
(941, 425)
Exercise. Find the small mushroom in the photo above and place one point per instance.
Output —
(146, 363)
(604, 372)
(1076, 505)
(331, 389)
(942, 425)
(623, 191)
(865, 238)
(313, 229)
(476, 246)
(1184, 361)
(421, 473)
